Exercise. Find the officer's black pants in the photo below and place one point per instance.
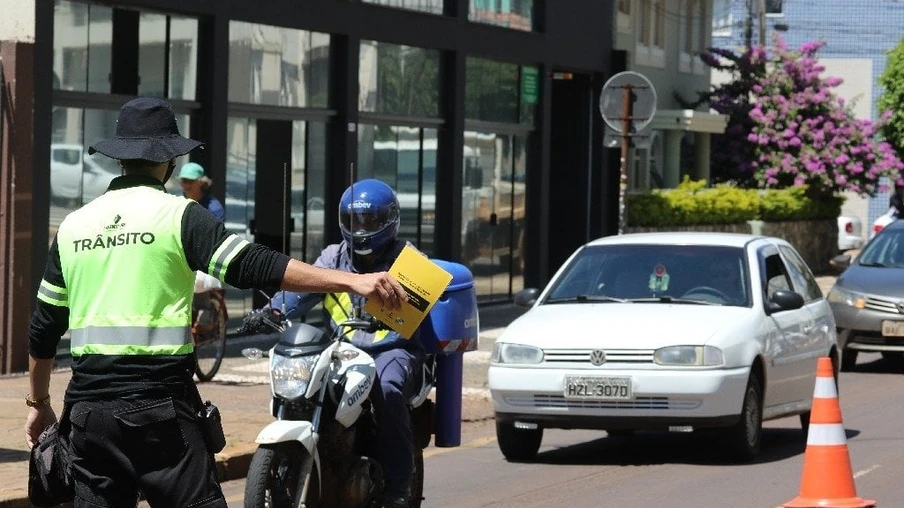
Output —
(153, 446)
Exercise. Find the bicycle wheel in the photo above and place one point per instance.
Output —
(210, 347)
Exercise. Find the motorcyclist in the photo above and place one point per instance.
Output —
(369, 222)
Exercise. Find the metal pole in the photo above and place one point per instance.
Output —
(748, 25)
(761, 11)
(589, 163)
(627, 107)
(285, 225)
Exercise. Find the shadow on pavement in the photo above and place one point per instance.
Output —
(651, 447)
(7, 455)
(876, 364)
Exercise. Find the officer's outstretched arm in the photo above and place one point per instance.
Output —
(380, 286)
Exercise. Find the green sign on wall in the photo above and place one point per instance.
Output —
(530, 84)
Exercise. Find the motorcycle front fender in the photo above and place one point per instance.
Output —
(289, 430)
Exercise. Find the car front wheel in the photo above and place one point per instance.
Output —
(518, 444)
(743, 439)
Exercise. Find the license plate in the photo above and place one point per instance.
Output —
(893, 328)
(598, 388)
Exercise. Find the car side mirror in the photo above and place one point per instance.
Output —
(526, 297)
(784, 300)
(840, 262)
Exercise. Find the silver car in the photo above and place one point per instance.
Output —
(868, 298)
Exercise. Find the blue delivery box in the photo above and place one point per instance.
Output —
(451, 329)
(452, 326)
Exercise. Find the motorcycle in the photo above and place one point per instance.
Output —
(316, 454)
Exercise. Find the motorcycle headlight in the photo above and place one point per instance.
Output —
(696, 356)
(846, 297)
(290, 375)
(516, 353)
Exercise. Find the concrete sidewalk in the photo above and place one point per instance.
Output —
(240, 389)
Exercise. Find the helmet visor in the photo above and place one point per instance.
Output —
(366, 222)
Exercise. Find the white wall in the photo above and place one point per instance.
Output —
(17, 20)
(856, 90)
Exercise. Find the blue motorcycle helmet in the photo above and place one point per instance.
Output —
(369, 219)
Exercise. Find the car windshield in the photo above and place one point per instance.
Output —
(886, 249)
(639, 273)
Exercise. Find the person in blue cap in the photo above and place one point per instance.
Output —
(369, 219)
(196, 186)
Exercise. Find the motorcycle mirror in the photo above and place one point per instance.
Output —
(252, 353)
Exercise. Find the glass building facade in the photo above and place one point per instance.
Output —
(448, 101)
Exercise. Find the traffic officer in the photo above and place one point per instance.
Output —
(119, 277)
(369, 222)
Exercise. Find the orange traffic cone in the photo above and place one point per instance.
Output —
(827, 480)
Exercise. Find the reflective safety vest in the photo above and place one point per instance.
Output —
(339, 307)
(128, 281)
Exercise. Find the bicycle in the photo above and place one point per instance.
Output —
(208, 331)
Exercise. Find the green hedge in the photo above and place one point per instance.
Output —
(692, 203)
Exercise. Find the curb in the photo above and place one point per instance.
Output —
(233, 463)
(17, 498)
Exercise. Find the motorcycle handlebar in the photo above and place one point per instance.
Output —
(370, 324)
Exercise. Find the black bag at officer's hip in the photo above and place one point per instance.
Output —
(49, 476)
(213, 427)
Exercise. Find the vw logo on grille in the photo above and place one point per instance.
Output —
(597, 357)
(900, 306)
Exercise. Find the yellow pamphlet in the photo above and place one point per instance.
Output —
(423, 280)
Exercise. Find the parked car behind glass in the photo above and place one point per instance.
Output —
(672, 331)
(75, 175)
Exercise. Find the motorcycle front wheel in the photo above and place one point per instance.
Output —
(210, 346)
(273, 477)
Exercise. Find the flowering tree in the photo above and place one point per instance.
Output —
(787, 128)
(892, 98)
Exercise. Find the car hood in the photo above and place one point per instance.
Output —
(874, 280)
(623, 325)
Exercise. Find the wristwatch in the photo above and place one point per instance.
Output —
(35, 403)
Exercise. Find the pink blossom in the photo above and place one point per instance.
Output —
(787, 127)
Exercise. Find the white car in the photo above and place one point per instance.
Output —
(850, 236)
(672, 331)
(883, 220)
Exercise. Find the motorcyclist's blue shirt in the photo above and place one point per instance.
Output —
(336, 256)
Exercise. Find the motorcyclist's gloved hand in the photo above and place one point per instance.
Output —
(263, 320)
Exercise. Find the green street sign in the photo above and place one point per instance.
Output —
(530, 84)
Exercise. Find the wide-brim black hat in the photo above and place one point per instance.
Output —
(147, 130)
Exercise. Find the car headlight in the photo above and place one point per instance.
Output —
(290, 375)
(852, 298)
(516, 353)
(697, 356)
